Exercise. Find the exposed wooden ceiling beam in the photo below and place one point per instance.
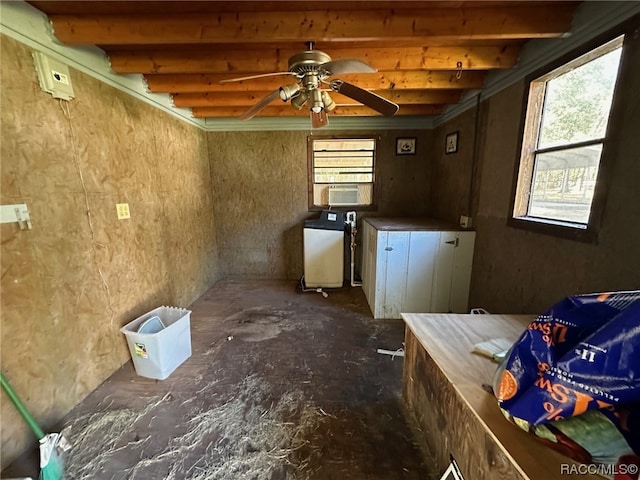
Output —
(287, 110)
(186, 47)
(265, 61)
(325, 25)
(421, 96)
(371, 81)
(232, 99)
(62, 7)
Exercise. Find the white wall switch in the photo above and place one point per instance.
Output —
(123, 211)
(16, 213)
(465, 222)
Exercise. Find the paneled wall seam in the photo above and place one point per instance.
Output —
(163, 199)
(74, 154)
(213, 205)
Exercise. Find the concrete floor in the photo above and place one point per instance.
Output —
(281, 385)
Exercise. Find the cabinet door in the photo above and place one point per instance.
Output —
(443, 272)
(423, 248)
(368, 261)
(395, 258)
(461, 276)
(379, 287)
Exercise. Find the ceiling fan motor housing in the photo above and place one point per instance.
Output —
(308, 62)
(308, 66)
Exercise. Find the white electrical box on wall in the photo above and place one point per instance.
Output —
(53, 76)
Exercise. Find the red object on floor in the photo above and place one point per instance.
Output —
(623, 467)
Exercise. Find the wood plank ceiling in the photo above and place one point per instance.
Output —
(426, 53)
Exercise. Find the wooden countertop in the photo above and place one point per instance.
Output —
(410, 224)
(449, 340)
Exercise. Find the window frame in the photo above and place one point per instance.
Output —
(310, 171)
(525, 159)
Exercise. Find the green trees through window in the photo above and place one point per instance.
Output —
(564, 133)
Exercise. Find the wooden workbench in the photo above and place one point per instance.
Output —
(443, 390)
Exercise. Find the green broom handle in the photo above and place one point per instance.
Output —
(21, 408)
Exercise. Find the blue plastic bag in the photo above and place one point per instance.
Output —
(582, 354)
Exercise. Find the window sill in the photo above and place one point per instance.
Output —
(357, 208)
(567, 230)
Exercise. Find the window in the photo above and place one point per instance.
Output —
(341, 172)
(565, 130)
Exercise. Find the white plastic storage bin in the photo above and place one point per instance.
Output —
(167, 344)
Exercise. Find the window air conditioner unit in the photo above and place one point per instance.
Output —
(343, 195)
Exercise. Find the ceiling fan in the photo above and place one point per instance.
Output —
(312, 68)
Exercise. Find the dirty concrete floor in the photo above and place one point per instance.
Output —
(281, 385)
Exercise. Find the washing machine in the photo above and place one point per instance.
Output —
(323, 245)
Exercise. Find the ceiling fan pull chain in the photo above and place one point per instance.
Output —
(459, 72)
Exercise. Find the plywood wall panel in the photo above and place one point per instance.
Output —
(404, 181)
(46, 175)
(135, 255)
(451, 193)
(112, 145)
(71, 282)
(260, 191)
(519, 271)
(185, 179)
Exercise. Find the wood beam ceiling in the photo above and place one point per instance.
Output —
(417, 26)
(228, 60)
(248, 99)
(419, 79)
(426, 52)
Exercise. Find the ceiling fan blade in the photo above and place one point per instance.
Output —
(249, 114)
(371, 100)
(240, 79)
(347, 65)
(319, 119)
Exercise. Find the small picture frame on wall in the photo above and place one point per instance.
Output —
(451, 142)
(406, 146)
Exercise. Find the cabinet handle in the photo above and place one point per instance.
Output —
(389, 249)
(453, 242)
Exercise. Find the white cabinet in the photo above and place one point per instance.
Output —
(415, 266)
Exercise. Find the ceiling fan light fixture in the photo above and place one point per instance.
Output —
(327, 101)
(316, 97)
(287, 92)
(299, 100)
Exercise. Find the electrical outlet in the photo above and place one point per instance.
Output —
(60, 77)
(465, 222)
(123, 211)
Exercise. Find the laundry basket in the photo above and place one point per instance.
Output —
(159, 341)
